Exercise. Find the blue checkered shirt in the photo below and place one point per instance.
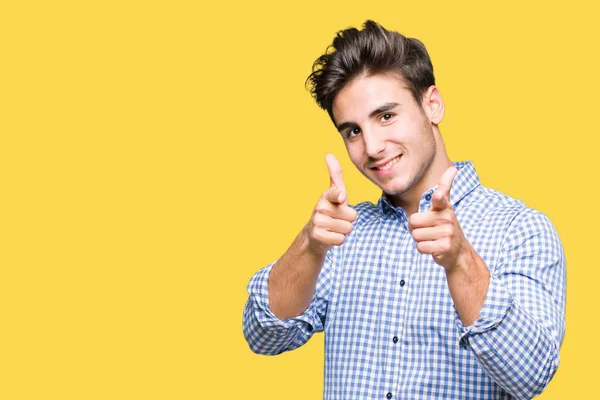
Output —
(391, 329)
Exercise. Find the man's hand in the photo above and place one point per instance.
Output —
(437, 232)
(332, 218)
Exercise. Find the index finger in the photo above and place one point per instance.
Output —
(335, 175)
(335, 171)
(441, 197)
(446, 180)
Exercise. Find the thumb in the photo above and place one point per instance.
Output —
(336, 178)
(441, 197)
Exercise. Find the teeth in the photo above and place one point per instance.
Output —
(389, 164)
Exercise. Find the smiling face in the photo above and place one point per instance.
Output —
(391, 140)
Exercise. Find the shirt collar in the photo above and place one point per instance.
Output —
(465, 182)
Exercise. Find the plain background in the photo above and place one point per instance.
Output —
(155, 154)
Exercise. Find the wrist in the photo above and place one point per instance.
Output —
(469, 265)
(464, 261)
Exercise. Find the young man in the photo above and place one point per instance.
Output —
(444, 288)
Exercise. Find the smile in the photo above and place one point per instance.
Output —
(389, 165)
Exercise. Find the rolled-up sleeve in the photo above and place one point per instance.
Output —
(267, 334)
(518, 335)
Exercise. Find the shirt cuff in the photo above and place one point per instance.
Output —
(496, 305)
(258, 288)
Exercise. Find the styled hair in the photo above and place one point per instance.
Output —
(372, 50)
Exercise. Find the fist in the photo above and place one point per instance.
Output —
(332, 218)
(437, 232)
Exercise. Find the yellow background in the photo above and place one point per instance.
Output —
(155, 154)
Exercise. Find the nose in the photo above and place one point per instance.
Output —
(374, 144)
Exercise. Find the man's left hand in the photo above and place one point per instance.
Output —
(437, 231)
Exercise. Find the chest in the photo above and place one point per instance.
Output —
(384, 284)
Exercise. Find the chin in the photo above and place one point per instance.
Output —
(393, 186)
(392, 190)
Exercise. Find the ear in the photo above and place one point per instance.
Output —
(433, 105)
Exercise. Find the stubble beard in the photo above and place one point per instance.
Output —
(420, 171)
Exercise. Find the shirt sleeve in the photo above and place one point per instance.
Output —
(518, 335)
(267, 334)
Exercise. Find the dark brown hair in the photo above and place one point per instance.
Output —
(372, 50)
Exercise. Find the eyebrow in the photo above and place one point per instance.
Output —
(383, 108)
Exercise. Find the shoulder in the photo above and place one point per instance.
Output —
(522, 222)
(531, 225)
(489, 207)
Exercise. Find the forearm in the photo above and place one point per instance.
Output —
(267, 333)
(288, 299)
(518, 334)
(468, 284)
(293, 279)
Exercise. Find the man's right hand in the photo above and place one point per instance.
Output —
(332, 218)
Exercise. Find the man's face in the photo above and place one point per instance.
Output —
(388, 136)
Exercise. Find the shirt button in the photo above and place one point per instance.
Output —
(395, 339)
(402, 283)
(389, 395)
(427, 197)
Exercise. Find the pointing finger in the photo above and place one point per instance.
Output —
(336, 178)
(441, 197)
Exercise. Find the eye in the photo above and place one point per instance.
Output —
(386, 117)
(352, 132)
